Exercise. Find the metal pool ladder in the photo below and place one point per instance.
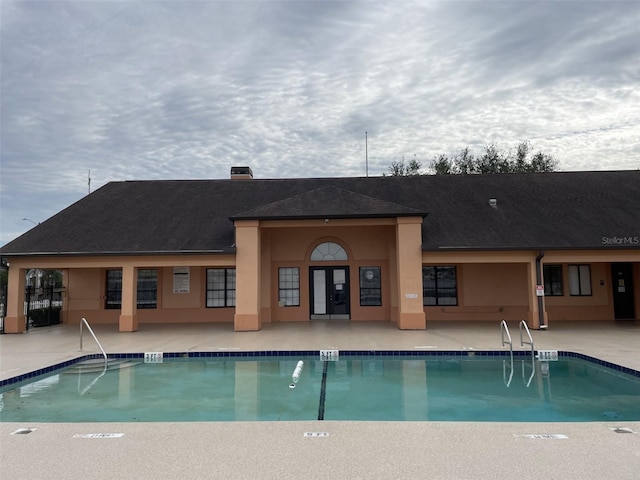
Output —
(84, 321)
(506, 339)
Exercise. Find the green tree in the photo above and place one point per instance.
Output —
(442, 165)
(464, 163)
(494, 160)
(541, 162)
(400, 168)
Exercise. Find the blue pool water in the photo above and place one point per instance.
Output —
(461, 387)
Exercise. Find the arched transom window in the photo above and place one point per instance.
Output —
(327, 252)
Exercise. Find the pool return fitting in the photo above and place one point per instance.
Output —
(295, 376)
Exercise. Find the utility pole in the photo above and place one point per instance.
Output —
(366, 154)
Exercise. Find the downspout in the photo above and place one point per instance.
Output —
(543, 326)
(4, 289)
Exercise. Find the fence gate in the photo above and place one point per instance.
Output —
(42, 306)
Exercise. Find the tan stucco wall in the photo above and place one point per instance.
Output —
(597, 306)
(84, 280)
(248, 274)
(86, 290)
(409, 273)
(499, 289)
(367, 245)
(491, 285)
(14, 322)
(485, 284)
(487, 292)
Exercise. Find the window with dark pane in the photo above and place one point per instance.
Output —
(147, 296)
(552, 280)
(370, 287)
(146, 288)
(113, 293)
(439, 285)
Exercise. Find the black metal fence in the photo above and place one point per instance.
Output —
(43, 306)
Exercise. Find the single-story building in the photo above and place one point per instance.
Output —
(535, 247)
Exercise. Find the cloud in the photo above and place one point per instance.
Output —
(151, 90)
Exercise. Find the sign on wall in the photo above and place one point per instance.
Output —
(180, 279)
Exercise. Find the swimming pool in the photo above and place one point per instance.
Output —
(373, 386)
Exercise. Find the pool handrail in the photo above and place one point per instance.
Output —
(524, 327)
(504, 372)
(95, 380)
(504, 328)
(104, 354)
(527, 382)
(522, 341)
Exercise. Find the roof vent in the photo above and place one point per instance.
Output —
(493, 202)
(241, 173)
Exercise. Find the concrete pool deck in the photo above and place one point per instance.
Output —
(350, 450)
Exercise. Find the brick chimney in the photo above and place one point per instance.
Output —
(241, 173)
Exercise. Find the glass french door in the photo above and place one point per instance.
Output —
(329, 293)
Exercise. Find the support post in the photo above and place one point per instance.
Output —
(128, 321)
(409, 264)
(247, 316)
(534, 314)
(15, 321)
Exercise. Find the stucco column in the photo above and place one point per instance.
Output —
(409, 264)
(247, 316)
(265, 280)
(14, 321)
(533, 312)
(393, 280)
(128, 320)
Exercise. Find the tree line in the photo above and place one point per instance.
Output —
(491, 160)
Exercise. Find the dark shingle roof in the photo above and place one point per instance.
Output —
(550, 210)
(328, 202)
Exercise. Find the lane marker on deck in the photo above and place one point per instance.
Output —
(98, 435)
(541, 436)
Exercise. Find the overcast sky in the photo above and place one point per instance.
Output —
(175, 90)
